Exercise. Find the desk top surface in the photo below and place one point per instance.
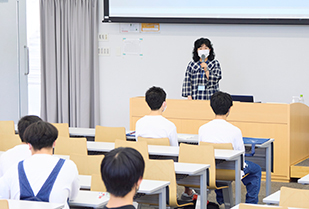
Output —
(164, 150)
(273, 198)
(147, 186)
(304, 180)
(99, 199)
(257, 206)
(187, 138)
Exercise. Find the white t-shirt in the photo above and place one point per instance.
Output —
(221, 131)
(13, 156)
(156, 126)
(37, 168)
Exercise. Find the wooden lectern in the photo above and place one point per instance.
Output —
(288, 124)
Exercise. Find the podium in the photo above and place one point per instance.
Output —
(288, 124)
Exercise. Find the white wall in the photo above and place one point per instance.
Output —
(269, 62)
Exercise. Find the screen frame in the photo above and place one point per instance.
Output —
(256, 21)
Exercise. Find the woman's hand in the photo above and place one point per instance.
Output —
(204, 66)
(189, 97)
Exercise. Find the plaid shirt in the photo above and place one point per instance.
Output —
(195, 76)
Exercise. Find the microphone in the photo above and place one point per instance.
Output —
(203, 57)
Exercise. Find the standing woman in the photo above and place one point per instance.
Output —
(203, 73)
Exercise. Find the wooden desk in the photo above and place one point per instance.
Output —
(286, 123)
(257, 206)
(304, 180)
(263, 156)
(232, 158)
(273, 198)
(91, 199)
(150, 187)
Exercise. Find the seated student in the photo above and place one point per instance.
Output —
(21, 151)
(122, 171)
(221, 131)
(41, 177)
(155, 125)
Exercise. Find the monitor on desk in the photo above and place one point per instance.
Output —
(242, 98)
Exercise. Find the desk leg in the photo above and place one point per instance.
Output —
(237, 181)
(203, 188)
(162, 198)
(268, 170)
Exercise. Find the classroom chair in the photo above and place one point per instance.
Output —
(109, 134)
(68, 146)
(87, 164)
(204, 154)
(4, 204)
(296, 198)
(7, 127)
(8, 141)
(97, 183)
(63, 129)
(142, 147)
(222, 174)
(163, 170)
(155, 141)
(256, 206)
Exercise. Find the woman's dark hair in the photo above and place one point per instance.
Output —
(121, 169)
(41, 135)
(198, 43)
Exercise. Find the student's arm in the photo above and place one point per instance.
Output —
(238, 141)
(75, 183)
(173, 137)
(4, 187)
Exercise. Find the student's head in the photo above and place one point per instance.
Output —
(41, 135)
(221, 102)
(122, 170)
(24, 122)
(155, 97)
(202, 43)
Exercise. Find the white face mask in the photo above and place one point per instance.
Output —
(201, 52)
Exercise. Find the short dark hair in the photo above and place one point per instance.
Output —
(155, 96)
(221, 102)
(121, 169)
(198, 43)
(41, 135)
(24, 122)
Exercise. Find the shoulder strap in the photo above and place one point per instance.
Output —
(44, 192)
(25, 188)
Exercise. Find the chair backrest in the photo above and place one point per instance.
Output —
(218, 145)
(63, 129)
(155, 141)
(222, 174)
(296, 198)
(8, 141)
(142, 147)
(7, 127)
(97, 183)
(163, 170)
(109, 134)
(4, 204)
(87, 164)
(68, 146)
(202, 155)
(256, 206)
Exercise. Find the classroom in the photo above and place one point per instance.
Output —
(265, 60)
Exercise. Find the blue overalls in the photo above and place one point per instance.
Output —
(26, 192)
